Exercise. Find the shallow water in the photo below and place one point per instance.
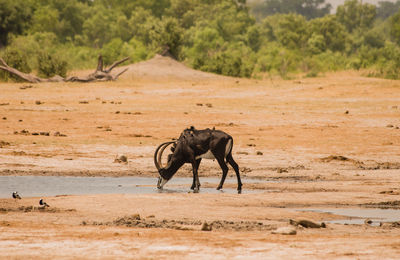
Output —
(359, 215)
(37, 186)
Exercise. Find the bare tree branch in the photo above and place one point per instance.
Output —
(98, 75)
(116, 64)
(100, 63)
(119, 74)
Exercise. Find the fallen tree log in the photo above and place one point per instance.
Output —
(100, 74)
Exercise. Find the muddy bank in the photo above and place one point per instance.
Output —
(150, 222)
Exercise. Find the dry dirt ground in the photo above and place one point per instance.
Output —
(330, 141)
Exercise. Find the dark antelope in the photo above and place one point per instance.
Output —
(192, 146)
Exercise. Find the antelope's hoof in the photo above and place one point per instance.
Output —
(196, 191)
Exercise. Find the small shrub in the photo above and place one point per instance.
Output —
(112, 50)
(49, 66)
(316, 44)
(332, 61)
(16, 59)
(311, 66)
(388, 65)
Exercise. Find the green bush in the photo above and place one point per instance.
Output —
(389, 63)
(334, 34)
(16, 59)
(112, 50)
(273, 59)
(81, 57)
(31, 45)
(137, 51)
(117, 49)
(51, 65)
(332, 61)
(316, 44)
(374, 39)
(368, 56)
(311, 66)
(395, 27)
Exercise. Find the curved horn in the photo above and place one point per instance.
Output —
(161, 152)
(157, 157)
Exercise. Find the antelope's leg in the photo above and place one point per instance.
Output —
(194, 179)
(234, 165)
(225, 169)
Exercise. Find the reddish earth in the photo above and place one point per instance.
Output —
(331, 141)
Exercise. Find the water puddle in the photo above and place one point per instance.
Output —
(37, 186)
(357, 216)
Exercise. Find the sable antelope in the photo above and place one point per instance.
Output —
(191, 147)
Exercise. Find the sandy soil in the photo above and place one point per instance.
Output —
(331, 141)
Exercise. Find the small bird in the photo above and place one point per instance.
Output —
(15, 195)
(43, 203)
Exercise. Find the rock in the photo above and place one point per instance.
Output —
(245, 170)
(306, 223)
(389, 225)
(59, 134)
(26, 86)
(128, 220)
(282, 170)
(367, 221)
(285, 231)
(121, 159)
(22, 132)
(4, 144)
(259, 153)
(206, 227)
(335, 158)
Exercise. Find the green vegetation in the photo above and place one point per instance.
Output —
(229, 37)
